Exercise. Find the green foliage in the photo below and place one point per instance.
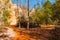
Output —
(56, 11)
(6, 2)
(6, 16)
(48, 10)
(5, 13)
(35, 16)
(49, 14)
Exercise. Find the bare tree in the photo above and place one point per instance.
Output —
(28, 16)
(18, 14)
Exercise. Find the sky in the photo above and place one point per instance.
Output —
(32, 2)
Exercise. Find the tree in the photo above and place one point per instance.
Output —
(52, 12)
(6, 13)
(47, 11)
(35, 16)
(6, 16)
(56, 11)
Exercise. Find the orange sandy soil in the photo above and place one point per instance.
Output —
(36, 34)
(15, 33)
(23, 34)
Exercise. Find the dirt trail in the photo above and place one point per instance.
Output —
(38, 34)
(24, 35)
(13, 33)
(32, 34)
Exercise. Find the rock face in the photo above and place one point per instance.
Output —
(6, 33)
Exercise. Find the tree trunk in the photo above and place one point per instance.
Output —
(28, 16)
